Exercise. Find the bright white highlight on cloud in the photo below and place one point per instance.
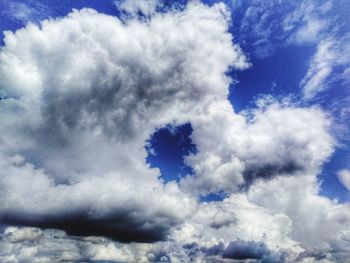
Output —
(344, 178)
(330, 54)
(133, 7)
(79, 105)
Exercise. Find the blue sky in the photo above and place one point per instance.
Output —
(97, 112)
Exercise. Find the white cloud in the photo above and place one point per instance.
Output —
(133, 7)
(89, 101)
(330, 53)
(79, 105)
(56, 246)
(15, 234)
(276, 139)
(310, 31)
(308, 22)
(319, 70)
(344, 178)
(317, 222)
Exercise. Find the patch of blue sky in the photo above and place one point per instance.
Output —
(167, 148)
(278, 75)
(330, 185)
(213, 197)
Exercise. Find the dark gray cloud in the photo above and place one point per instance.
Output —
(123, 226)
(269, 171)
(241, 249)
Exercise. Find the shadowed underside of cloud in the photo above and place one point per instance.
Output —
(121, 227)
(245, 250)
(269, 171)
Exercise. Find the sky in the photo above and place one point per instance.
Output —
(174, 131)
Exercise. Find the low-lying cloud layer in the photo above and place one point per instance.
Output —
(78, 106)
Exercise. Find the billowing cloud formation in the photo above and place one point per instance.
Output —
(34, 245)
(276, 139)
(78, 105)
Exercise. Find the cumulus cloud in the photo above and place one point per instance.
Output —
(34, 245)
(78, 107)
(317, 221)
(274, 139)
(80, 104)
(95, 206)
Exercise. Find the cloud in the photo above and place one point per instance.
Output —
(97, 206)
(89, 100)
(264, 26)
(317, 221)
(259, 26)
(245, 250)
(344, 178)
(133, 7)
(34, 245)
(24, 13)
(15, 234)
(275, 139)
(331, 54)
(308, 22)
(78, 107)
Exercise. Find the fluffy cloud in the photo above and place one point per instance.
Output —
(34, 245)
(274, 139)
(318, 222)
(103, 205)
(78, 106)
